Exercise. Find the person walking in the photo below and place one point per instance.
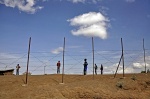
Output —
(58, 67)
(95, 69)
(101, 68)
(17, 69)
(85, 66)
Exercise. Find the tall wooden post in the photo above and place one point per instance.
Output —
(122, 56)
(93, 55)
(44, 70)
(144, 55)
(63, 61)
(28, 60)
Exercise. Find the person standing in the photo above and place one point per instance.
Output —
(101, 68)
(58, 67)
(17, 69)
(85, 66)
(95, 69)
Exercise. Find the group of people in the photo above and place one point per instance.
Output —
(96, 67)
(101, 69)
(59, 64)
(58, 68)
(84, 69)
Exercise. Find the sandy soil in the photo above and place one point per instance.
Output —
(133, 86)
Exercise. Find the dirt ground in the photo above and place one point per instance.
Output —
(133, 86)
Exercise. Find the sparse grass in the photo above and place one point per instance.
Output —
(134, 77)
(119, 84)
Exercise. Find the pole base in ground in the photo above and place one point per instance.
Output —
(122, 77)
(112, 77)
(61, 83)
(24, 85)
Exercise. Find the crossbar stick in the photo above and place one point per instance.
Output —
(118, 66)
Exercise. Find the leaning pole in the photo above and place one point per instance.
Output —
(122, 56)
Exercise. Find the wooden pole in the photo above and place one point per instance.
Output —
(122, 56)
(144, 55)
(44, 70)
(63, 62)
(28, 60)
(118, 67)
(93, 55)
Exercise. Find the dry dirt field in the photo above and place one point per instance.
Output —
(133, 86)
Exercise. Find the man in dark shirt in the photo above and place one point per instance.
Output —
(95, 69)
(101, 69)
(85, 66)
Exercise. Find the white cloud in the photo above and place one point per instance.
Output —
(8, 60)
(127, 70)
(137, 65)
(90, 24)
(88, 19)
(44, 0)
(104, 9)
(120, 69)
(77, 1)
(23, 5)
(95, 1)
(112, 69)
(57, 50)
(140, 65)
(130, 1)
(83, 1)
(7, 56)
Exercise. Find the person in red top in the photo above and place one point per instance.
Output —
(17, 69)
(58, 67)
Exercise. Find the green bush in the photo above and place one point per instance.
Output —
(143, 72)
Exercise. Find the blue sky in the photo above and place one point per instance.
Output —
(47, 22)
